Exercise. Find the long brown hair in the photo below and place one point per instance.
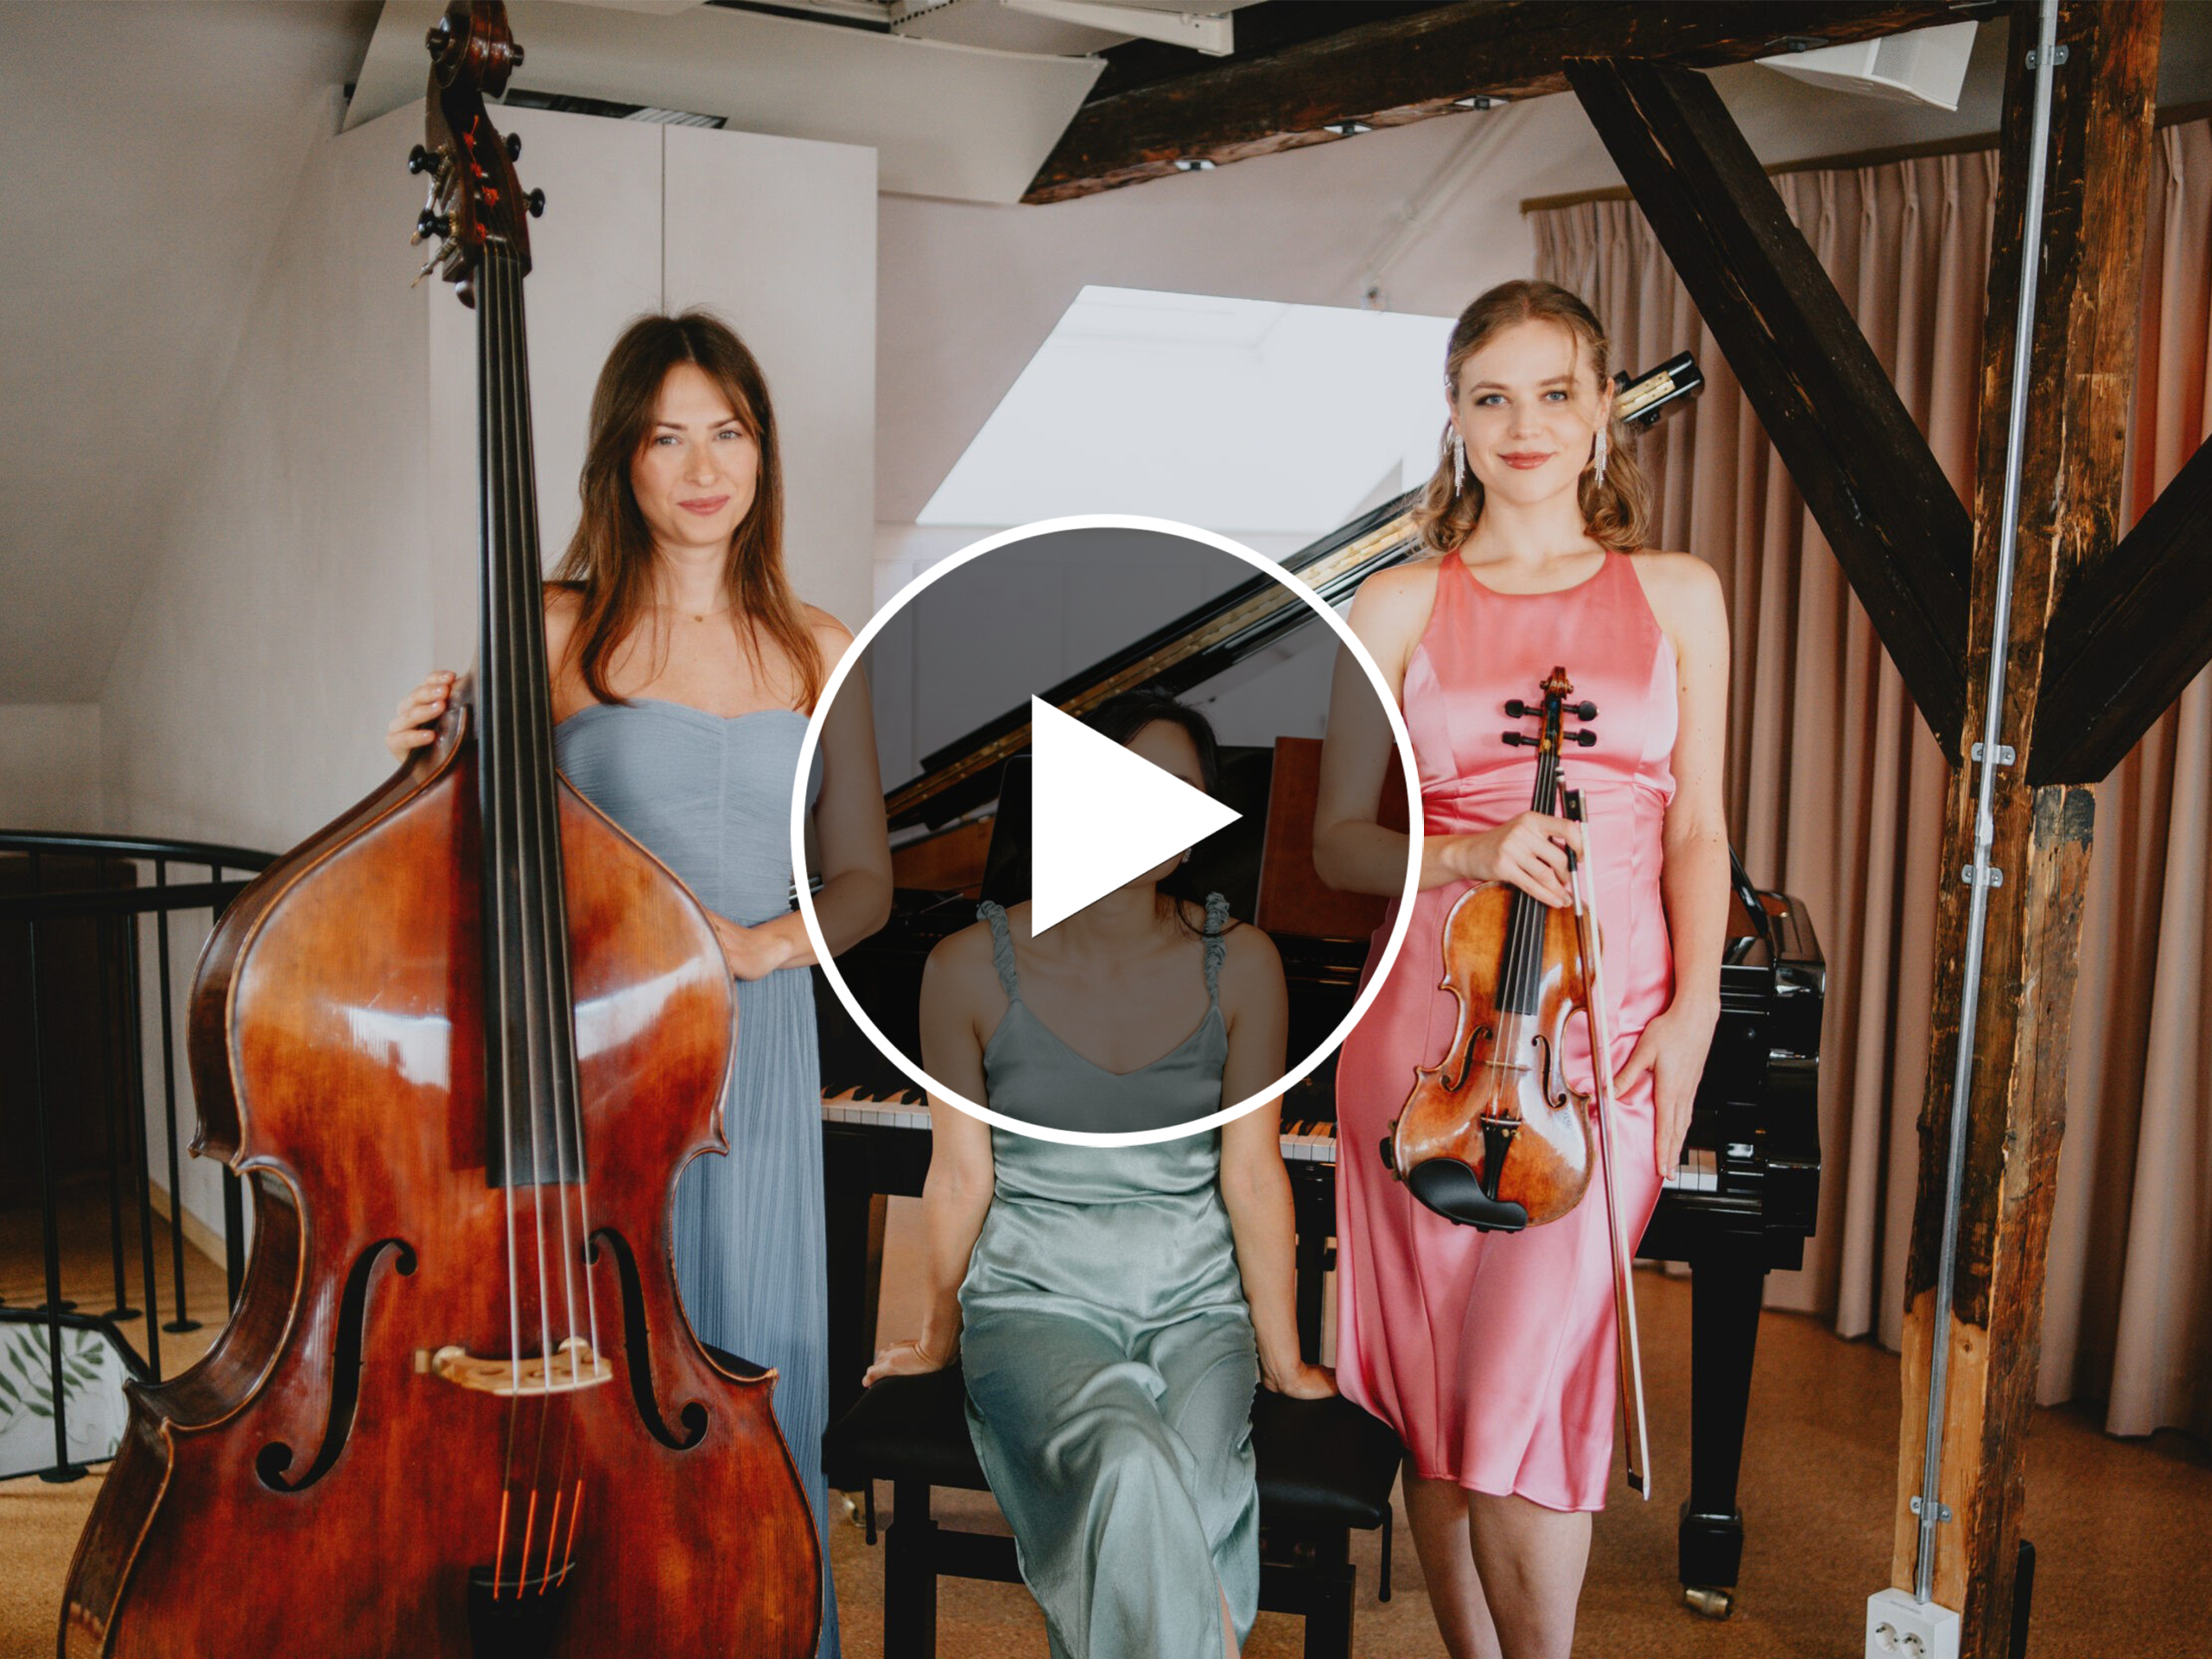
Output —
(1617, 512)
(610, 558)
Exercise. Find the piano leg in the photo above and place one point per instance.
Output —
(1725, 1296)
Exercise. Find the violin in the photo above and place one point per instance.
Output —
(1494, 1137)
(461, 1043)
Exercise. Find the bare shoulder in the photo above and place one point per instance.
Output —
(1684, 591)
(564, 608)
(1249, 961)
(1390, 611)
(1403, 587)
(829, 634)
(961, 961)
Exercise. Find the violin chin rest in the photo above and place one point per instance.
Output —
(1449, 1188)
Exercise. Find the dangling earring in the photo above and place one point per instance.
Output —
(1459, 462)
(1598, 457)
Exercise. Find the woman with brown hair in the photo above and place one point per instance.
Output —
(1492, 1353)
(683, 671)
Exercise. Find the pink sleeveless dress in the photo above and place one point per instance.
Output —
(1493, 1354)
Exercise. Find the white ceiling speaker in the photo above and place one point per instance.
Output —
(1927, 66)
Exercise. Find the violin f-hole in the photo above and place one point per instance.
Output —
(637, 1348)
(274, 1458)
(1467, 1059)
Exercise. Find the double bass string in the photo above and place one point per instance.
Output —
(567, 1115)
(532, 869)
(493, 698)
(551, 1002)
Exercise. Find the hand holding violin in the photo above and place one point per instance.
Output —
(1529, 851)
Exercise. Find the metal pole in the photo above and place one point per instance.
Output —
(144, 1145)
(169, 1099)
(104, 931)
(1977, 874)
(50, 1223)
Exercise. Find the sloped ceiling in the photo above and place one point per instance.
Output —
(150, 148)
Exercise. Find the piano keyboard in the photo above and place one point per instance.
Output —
(1313, 1142)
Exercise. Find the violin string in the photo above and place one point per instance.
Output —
(567, 1116)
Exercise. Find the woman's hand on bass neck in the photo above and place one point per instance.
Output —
(907, 1358)
(416, 721)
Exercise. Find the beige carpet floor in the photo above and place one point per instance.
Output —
(2120, 1528)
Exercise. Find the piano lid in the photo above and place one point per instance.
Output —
(1215, 636)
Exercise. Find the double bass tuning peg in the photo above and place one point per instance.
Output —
(1584, 710)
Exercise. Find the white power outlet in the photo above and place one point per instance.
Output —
(1897, 1627)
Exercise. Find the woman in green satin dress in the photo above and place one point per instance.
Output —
(1114, 1306)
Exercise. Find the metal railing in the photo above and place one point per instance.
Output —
(82, 915)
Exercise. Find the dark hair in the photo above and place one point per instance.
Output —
(1121, 717)
(609, 560)
(1615, 512)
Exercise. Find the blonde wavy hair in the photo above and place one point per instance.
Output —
(1617, 512)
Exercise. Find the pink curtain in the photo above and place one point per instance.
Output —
(1836, 790)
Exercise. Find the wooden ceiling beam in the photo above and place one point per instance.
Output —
(1896, 523)
(2132, 634)
(1407, 68)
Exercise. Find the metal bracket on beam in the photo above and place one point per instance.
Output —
(1214, 35)
(2004, 753)
(1942, 1510)
(1996, 876)
(2058, 56)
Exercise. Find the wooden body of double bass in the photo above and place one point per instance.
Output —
(312, 1486)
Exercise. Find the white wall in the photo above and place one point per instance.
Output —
(50, 766)
(323, 555)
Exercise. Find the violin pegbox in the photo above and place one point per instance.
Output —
(1553, 711)
(475, 200)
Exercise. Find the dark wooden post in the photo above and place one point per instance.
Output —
(2083, 355)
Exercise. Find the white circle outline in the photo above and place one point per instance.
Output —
(911, 1070)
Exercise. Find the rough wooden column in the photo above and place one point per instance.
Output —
(2083, 356)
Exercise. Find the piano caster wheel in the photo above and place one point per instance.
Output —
(1708, 1601)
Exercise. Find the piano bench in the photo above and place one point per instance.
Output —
(1325, 1467)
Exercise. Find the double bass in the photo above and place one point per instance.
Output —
(461, 1043)
(1495, 1136)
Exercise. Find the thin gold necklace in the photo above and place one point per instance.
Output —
(696, 616)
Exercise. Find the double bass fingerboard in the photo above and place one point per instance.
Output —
(529, 1069)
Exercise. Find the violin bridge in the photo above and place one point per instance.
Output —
(571, 1366)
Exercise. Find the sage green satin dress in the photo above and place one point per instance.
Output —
(1108, 1352)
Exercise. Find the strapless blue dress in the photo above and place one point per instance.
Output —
(710, 798)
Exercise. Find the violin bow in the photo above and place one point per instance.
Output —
(1636, 1436)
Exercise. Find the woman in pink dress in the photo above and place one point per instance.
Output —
(1492, 1354)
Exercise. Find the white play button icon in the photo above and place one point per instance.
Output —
(1100, 815)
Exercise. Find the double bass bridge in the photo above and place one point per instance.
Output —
(569, 1367)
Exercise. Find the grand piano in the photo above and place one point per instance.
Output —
(1742, 1202)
